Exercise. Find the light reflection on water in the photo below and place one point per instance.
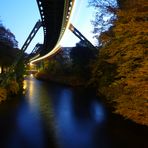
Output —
(55, 116)
(76, 127)
(98, 112)
(74, 117)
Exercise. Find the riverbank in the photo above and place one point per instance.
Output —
(12, 88)
(120, 72)
(65, 80)
(117, 102)
(79, 120)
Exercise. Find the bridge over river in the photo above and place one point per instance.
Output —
(50, 115)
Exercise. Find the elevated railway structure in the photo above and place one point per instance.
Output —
(55, 16)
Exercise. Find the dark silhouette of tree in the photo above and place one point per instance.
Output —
(8, 47)
(104, 16)
(7, 37)
(81, 57)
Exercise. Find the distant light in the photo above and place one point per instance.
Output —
(31, 75)
(31, 64)
(70, 3)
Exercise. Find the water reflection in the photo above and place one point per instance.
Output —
(77, 117)
(40, 107)
(98, 112)
(51, 115)
(77, 114)
(27, 125)
(29, 128)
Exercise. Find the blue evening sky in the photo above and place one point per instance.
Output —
(20, 17)
(82, 21)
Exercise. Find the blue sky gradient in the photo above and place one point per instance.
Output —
(20, 17)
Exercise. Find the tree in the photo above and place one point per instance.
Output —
(8, 47)
(121, 70)
(105, 15)
(7, 37)
(81, 57)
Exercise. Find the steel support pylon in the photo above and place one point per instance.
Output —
(81, 36)
(31, 35)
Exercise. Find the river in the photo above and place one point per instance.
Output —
(50, 115)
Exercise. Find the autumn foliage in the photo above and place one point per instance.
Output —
(3, 94)
(121, 71)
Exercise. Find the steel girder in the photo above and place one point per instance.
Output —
(51, 12)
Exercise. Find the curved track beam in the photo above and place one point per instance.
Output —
(51, 12)
(51, 40)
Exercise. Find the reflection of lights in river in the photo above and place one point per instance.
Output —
(98, 112)
(28, 87)
(24, 86)
(31, 92)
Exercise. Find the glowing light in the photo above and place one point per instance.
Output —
(55, 49)
(57, 46)
(24, 86)
(31, 75)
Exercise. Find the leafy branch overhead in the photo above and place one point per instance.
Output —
(105, 14)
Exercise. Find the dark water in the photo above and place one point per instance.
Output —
(51, 115)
